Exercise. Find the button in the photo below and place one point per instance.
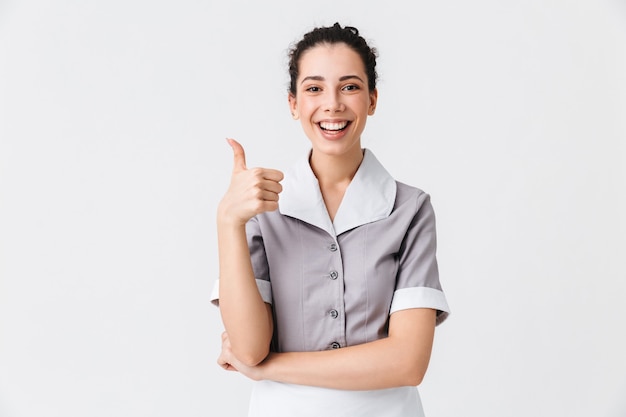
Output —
(333, 313)
(335, 345)
(332, 247)
(333, 275)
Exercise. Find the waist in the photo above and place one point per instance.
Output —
(277, 399)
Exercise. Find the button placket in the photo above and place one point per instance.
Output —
(334, 314)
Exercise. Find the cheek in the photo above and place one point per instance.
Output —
(306, 107)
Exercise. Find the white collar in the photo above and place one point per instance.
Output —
(370, 196)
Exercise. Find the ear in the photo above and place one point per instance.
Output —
(293, 106)
(373, 100)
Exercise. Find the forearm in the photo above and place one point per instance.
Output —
(246, 317)
(398, 360)
(370, 366)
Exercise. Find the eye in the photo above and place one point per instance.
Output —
(351, 87)
(313, 89)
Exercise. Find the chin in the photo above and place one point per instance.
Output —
(336, 148)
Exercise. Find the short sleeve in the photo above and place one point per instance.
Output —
(417, 281)
(260, 265)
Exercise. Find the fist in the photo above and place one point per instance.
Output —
(251, 191)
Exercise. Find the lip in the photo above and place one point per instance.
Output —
(333, 135)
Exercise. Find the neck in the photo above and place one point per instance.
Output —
(335, 169)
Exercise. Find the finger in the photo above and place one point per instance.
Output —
(268, 205)
(225, 365)
(271, 186)
(239, 156)
(230, 368)
(267, 174)
(273, 174)
(268, 196)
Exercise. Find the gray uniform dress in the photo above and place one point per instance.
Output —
(335, 283)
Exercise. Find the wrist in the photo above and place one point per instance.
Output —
(264, 369)
(226, 220)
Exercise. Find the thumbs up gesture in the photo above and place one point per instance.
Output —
(251, 191)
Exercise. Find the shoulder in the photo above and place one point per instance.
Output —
(408, 194)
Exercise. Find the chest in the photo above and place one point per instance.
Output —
(328, 290)
(332, 199)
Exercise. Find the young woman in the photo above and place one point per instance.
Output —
(329, 295)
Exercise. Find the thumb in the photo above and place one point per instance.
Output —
(238, 154)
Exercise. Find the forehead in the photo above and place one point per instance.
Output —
(331, 59)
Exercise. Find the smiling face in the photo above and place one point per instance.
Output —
(332, 100)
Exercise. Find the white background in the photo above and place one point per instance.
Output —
(113, 114)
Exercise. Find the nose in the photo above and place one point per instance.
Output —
(333, 103)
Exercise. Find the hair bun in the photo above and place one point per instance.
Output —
(352, 29)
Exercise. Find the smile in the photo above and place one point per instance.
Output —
(333, 126)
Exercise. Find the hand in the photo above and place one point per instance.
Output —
(229, 362)
(251, 191)
(226, 356)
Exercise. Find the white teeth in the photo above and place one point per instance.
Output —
(333, 126)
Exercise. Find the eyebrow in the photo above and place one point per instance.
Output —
(320, 78)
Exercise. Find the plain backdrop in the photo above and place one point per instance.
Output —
(113, 119)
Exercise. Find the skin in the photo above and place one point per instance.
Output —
(331, 93)
(245, 315)
(332, 89)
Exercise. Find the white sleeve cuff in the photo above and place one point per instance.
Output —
(421, 297)
(215, 293)
(265, 289)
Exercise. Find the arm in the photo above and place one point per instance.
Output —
(400, 359)
(246, 317)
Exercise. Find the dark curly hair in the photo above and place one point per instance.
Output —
(332, 35)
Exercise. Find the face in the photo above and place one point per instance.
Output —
(332, 99)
